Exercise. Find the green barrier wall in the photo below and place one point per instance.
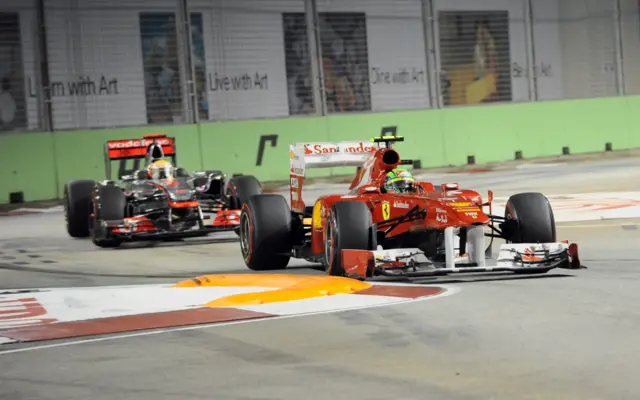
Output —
(40, 163)
(27, 164)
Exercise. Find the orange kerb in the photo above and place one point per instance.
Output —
(291, 287)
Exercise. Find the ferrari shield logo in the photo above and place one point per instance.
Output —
(386, 210)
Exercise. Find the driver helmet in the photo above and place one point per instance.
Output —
(160, 169)
(399, 180)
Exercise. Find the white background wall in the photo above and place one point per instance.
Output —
(94, 38)
(395, 43)
(588, 48)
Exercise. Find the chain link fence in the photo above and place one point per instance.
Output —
(82, 64)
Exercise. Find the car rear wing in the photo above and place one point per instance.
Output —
(323, 155)
(150, 147)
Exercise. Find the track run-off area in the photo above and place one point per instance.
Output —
(561, 335)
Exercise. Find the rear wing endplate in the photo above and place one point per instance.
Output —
(323, 155)
(150, 147)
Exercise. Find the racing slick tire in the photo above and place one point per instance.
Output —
(266, 232)
(533, 219)
(244, 187)
(240, 190)
(112, 206)
(348, 227)
(77, 207)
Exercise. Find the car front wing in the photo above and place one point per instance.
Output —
(520, 258)
(138, 229)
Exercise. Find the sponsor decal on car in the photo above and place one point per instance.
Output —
(136, 143)
(386, 210)
(310, 149)
(399, 204)
(442, 218)
(461, 204)
(468, 209)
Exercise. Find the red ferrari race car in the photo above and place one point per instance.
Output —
(389, 224)
(154, 201)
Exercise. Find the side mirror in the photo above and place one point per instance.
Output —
(489, 199)
(369, 189)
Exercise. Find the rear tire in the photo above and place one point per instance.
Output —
(348, 227)
(77, 207)
(266, 232)
(533, 219)
(240, 190)
(112, 206)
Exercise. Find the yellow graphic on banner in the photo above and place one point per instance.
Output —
(386, 210)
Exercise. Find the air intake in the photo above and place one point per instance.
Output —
(390, 157)
(155, 152)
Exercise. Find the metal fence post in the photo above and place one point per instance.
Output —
(530, 45)
(191, 67)
(433, 77)
(43, 81)
(431, 50)
(184, 60)
(315, 52)
(617, 23)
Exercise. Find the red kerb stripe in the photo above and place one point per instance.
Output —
(102, 326)
(410, 292)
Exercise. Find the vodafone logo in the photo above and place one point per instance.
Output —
(310, 149)
(135, 143)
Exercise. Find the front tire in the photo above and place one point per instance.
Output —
(266, 232)
(348, 227)
(77, 207)
(530, 218)
(111, 206)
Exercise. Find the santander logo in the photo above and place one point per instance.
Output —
(359, 147)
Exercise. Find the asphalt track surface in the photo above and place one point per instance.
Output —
(555, 336)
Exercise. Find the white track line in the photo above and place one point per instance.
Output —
(596, 226)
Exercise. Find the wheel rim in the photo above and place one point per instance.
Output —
(328, 244)
(508, 217)
(244, 234)
(66, 209)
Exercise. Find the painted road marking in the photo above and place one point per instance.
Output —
(448, 291)
(74, 312)
(619, 225)
(22, 311)
(289, 287)
(127, 323)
